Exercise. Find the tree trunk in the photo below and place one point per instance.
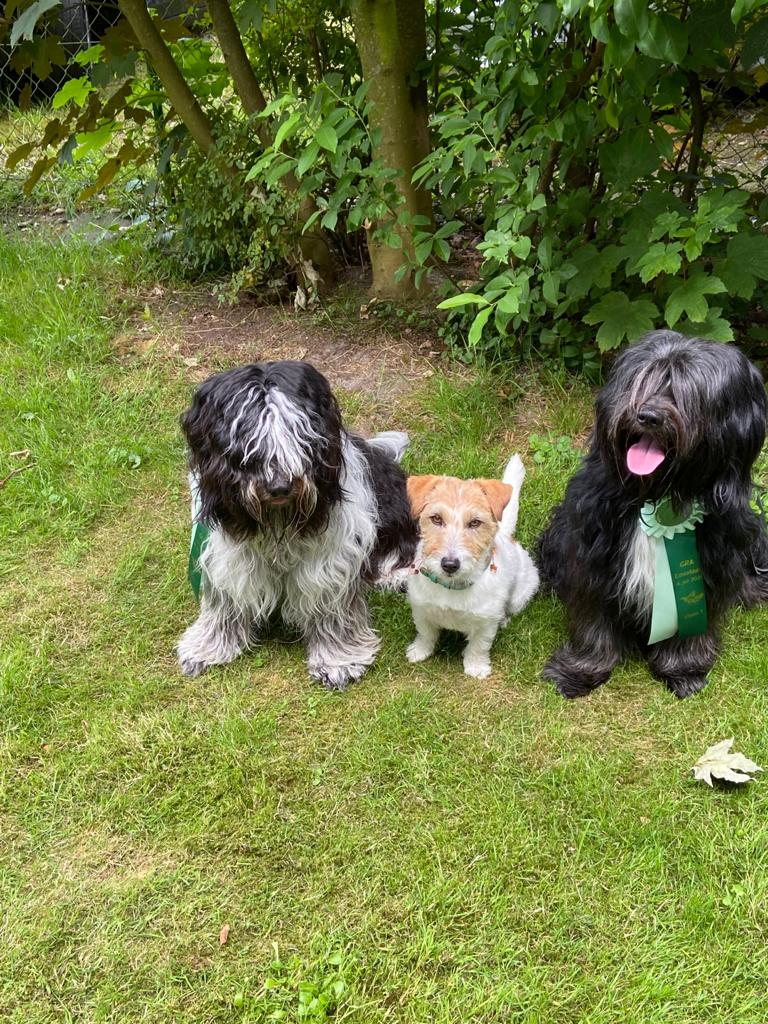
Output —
(313, 245)
(180, 95)
(391, 39)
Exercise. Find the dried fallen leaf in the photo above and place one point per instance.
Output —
(718, 762)
(224, 935)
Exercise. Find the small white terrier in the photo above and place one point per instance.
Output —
(471, 574)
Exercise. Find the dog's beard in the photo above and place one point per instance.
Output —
(290, 514)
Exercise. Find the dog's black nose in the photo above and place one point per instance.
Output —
(649, 417)
(279, 488)
(449, 565)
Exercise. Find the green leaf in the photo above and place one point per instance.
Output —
(24, 26)
(521, 246)
(476, 330)
(307, 158)
(714, 328)
(620, 317)
(632, 18)
(550, 286)
(90, 142)
(285, 128)
(755, 49)
(689, 297)
(250, 15)
(660, 258)
(666, 39)
(448, 229)
(737, 278)
(633, 155)
(742, 8)
(423, 249)
(545, 252)
(330, 219)
(326, 137)
(510, 301)
(278, 169)
(752, 252)
(19, 154)
(617, 53)
(90, 56)
(465, 299)
(75, 89)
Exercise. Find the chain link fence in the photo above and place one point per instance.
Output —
(32, 72)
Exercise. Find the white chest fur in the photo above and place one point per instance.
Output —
(639, 573)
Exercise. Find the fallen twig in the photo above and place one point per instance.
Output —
(14, 472)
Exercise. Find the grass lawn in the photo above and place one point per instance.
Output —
(424, 848)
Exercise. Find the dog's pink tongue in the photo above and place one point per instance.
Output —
(644, 457)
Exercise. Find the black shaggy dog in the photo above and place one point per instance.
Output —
(303, 517)
(679, 418)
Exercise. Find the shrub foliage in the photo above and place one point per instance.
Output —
(580, 164)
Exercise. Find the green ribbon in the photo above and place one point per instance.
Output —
(679, 600)
(200, 535)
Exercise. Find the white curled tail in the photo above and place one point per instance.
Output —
(393, 442)
(514, 475)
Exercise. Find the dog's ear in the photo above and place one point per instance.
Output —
(419, 488)
(498, 495)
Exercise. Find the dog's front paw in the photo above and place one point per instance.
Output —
(570, 685)
(418, 651)
(337, 677)
(192, 667)
(685, 686)
(479, 668)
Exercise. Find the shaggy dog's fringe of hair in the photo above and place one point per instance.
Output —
(704, 405)
(303, 516)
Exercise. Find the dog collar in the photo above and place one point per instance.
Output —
(679, 601)
(456, 584)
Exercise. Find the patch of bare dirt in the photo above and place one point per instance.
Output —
(358, 354)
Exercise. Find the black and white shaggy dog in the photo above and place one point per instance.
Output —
(303, 517)
(678, 417)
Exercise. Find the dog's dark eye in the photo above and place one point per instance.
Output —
(474, 523)
(437, 520)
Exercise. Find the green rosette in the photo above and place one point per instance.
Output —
(679, 600)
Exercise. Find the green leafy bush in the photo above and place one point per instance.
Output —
(216, 225)
(325, 141)
(579, 151)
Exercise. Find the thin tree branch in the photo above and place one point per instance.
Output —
(179, 93)
(235, 57)
(698, 124)
(15, 472)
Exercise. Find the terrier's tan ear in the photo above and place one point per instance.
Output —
(419, 488)
(498, 495)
